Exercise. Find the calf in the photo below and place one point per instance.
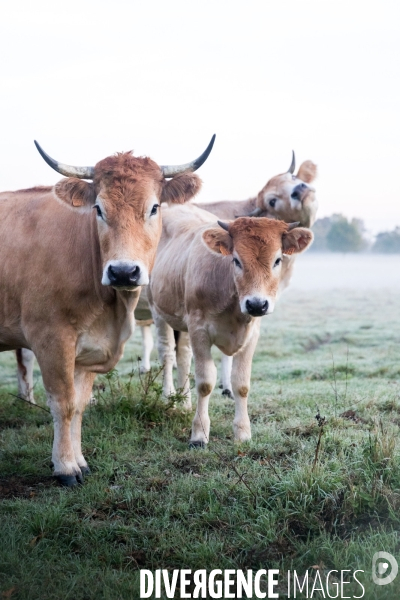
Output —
(221, 278)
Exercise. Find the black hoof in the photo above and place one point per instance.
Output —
(196, 445)
(79, 479)
(67, 480)
(85, 471)
(227, 393)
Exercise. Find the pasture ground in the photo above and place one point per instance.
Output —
(152, 503)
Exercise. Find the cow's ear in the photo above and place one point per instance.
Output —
(76, 193)
(218, 240)
(297, 240)
(180, 188)
(307, 171)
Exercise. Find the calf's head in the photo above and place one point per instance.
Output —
(289, 197)
(125, 196)
(256, 247)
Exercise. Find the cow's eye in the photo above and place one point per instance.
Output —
(154, 209)
(272, 202)
(98, 211)
(277, 262)
(237, 263)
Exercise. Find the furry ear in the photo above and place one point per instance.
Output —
(180, 188)
(218, 240)
(76, 193)
(297, 240)
(307, 171)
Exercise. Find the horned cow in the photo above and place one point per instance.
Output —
(73, 258)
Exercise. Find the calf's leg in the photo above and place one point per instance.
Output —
(166, 352)
(226, 372)
(147, 345)
(206, 376)
(184, 359)
(241, 374)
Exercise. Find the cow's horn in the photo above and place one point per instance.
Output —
(67, 170)
(293, 225)
(223, 225)
(256, 212)
(293, 164)
(172, 170)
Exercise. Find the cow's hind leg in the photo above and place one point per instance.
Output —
(206, 377)
(25, 360)
(147, 345)
(184, 359)
(83, 389)
(166, 352)
(241, 374)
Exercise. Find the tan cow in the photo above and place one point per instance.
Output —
(221, 277)
(73, 258)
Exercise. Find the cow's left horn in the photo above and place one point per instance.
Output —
(67, 170)
(293, 225)
(223, 225)
(256, 212)
(172, 170)
(293, 164)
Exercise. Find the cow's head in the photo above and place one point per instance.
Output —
(124, 197)
(256, 246)
(289, 197)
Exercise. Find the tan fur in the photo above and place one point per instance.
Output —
(52, 255)
(206, 294)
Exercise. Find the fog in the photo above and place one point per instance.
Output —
(323, 271)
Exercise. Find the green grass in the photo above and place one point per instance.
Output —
(151, 503)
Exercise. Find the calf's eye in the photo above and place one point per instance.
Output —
(277, 262)
(154, 209)
(98, 211)
(237, 263)
(272, 202)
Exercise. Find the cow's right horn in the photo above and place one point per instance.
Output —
(292, 164)
(223, 225)
(67, 170)
(172, 170)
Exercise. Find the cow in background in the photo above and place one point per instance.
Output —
(73, 259)
(221, 277)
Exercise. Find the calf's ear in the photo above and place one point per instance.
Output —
(75, 193)
(307, 171)
(180, 188)
(217, 240)
(297, 240)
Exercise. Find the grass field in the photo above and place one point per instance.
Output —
(317, 494)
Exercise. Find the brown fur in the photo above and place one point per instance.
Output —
(51, 265)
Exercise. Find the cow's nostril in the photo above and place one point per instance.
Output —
(135, 273)
(265, 306)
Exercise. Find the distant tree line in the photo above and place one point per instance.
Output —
(339, 234)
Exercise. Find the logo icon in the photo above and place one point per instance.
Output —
(381, 561)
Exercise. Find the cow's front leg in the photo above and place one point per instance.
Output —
(226, 373)
(166, 352)
(25, 360)
(241, 374)
(147, 345)
(83, 389)
(184, 359)
(58, 367)
(206, 376)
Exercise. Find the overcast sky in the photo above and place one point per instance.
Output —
(89, 78)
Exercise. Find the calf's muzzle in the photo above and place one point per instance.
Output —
(257, 308)
(124, 275)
